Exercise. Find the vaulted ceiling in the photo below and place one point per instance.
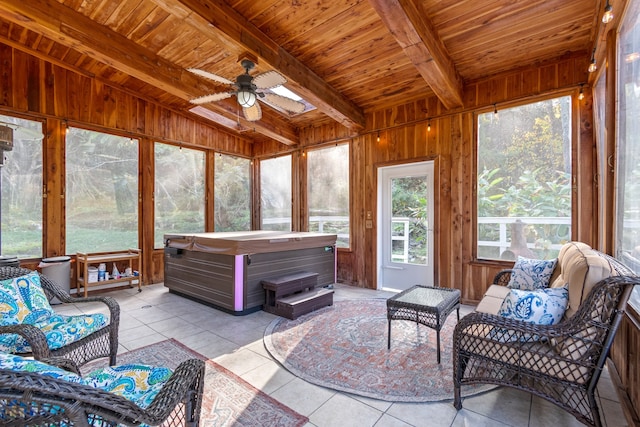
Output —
(345, 57)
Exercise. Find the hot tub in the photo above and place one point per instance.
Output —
(225, 269)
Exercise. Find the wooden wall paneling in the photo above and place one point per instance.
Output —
(349, 258)
(53, 201)
(610, 138)
(548, 77)
(20, 81)
(139, 116)
(110, 107)
(60, 92)
(6, 73)
(209, 208)
(296, 188)
(98, 103)
(625, 354)
(586, 170)
(34, 72)
(453, 206)
(49, 92)
(256, 188)
(146, 209)
(124, 104)
(303, 205)
(369, 200)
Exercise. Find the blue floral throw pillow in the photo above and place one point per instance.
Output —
(531, 274)
(542, 307)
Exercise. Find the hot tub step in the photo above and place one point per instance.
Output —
(301, 303)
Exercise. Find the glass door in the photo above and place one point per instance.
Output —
(405, 226)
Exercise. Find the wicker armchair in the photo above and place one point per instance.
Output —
(560, 363)
(32, 399)
(101, 343)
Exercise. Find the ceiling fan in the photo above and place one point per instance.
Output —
(248, 89)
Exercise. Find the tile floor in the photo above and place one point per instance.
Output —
(235, 342)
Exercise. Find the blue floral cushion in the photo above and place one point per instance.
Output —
(542, 307)
(18, 363)
(59, 330)
(22, 300)
(531, 274)
(137, 383)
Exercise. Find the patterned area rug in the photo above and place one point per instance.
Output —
(228, 400)
(344, 347)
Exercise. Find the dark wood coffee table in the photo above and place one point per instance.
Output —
(426, 305)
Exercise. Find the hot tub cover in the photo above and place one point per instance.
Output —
(249, 242)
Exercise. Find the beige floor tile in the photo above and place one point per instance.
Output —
(302, 397)
(434, 414)
(242, 361)
(388, 421)
(507, 405)
(544, 413)
(268, 377)
(341, 410)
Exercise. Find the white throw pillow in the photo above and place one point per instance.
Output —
(542, 307)
(531, 274)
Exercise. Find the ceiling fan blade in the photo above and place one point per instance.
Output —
(253, 113)
(285, 103)
(210, 76)
(269, 79)
(211, 98)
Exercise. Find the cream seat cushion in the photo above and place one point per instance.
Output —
(581, 267)
(492, 299)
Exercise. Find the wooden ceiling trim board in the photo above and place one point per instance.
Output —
(420, 42)
(463, 19)
(286, 24)
(117, 20)
(129, 23)
(146, 26)
(217, 18)
(509, 28)
(349, 36)
(119, 52)
(252, 9)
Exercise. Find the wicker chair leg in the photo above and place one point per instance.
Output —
(460, 365)
(595, 413)
(457, 401)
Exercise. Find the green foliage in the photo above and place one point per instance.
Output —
(232, 194)
(409, 200)
(525, 169)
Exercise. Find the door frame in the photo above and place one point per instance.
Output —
(436, 215)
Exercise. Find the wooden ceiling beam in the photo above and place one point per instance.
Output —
(222, 23)
(72, 29)
(420, 42)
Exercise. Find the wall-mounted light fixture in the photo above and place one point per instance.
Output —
(378, 136)
(608, 13)
(581, 93)
(592, 66)
(429, 126)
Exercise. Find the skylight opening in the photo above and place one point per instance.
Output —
(289, 94)
(283, 91)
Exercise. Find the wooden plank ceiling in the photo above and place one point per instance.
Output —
(345, 57)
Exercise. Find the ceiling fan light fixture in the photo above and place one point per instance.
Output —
(246, 98)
